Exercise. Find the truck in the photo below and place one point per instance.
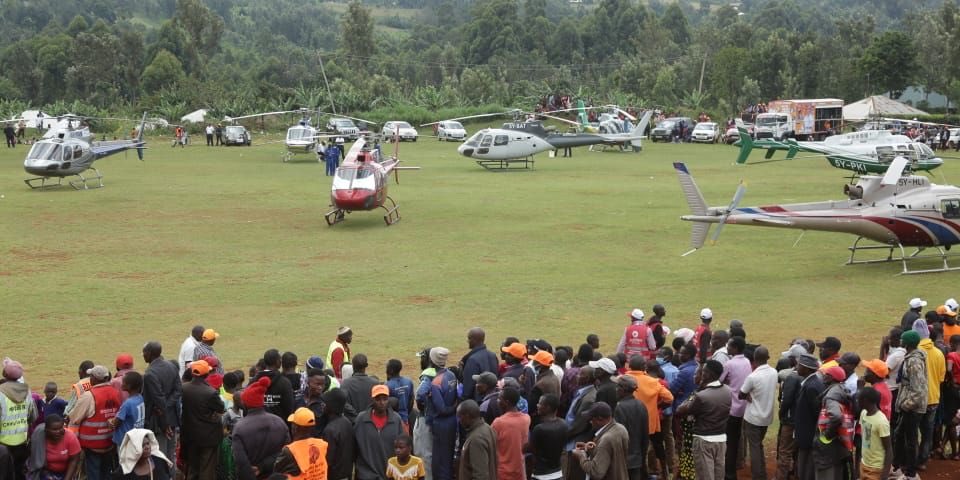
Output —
(812, 119)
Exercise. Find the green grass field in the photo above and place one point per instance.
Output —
(233, 239)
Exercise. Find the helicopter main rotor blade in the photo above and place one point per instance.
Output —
(741, 189)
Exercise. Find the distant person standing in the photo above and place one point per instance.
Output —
(205, 348)
(188, 347)
(332, 160)
(339, 351)
(218, 131)
(11, 135)
(478, 360)
(209, 131)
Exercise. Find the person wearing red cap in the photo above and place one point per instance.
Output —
(201, 431)
(259, 436)
(305, 457)
(831, 451)
(124, 364)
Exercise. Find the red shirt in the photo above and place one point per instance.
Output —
(512, 429)
(379, 421)
(886, 398)
(58, 454)
(955, 358)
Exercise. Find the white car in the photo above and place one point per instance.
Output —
(706, 132)
(954, 138)
(451, 130)
(401, 130)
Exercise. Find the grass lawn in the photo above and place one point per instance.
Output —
(233, 239)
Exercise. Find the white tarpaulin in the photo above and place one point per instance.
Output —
(877, 106)
(194, 117)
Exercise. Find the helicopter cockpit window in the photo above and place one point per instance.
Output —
(501, 140)
(474, 140)
(45, 151)
(487, 139)
(950, 208)
(355, 178)
(77, 151)
(296, 133)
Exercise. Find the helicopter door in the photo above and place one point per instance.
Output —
(485, 144)
(500, 140)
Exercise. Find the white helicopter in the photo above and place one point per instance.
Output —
(68, 149)
(894, 210)
(515, 143)
(302, 138)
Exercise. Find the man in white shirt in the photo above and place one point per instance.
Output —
(209, 132)
(760, 392)
(188, 347)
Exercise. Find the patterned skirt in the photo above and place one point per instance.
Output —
(686, 467)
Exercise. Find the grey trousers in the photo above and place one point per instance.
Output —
(805, 469)
(754, 436)
(708, 458)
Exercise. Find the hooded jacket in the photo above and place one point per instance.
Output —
(914, 392)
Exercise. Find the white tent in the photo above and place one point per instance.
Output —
(31, 117)
(194, 117)
(877, 106)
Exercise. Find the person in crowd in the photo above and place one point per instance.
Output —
(578, 421)
(259, 436)
(655, 323)
(759, 390)
(603, 371)
(664, 362)
(936, 373)
(54, 451)
(339, 435)
(638, 337)
(288, 368)
(124, 364)
(90, 418)
(702, 336)
(718, 345)
(892, 353)
(441, 414)
(478, 458)
(950, 396)
(875, 373)
(359, 385)
(77, 389)
(141, 458)
(17, 412)
(569, 383)
(279, 397)
(401, 389)
(515, 354)
(546, 382)
(404, 465)
(478, 360)
(805, 412)
(162, 391)
(605, 456)
(912, 314)
(339, 351)
(849, 362)
(511, 428)
(735, 372)
(876, 444)
(422, 434)
(709, 406)
(547, 440)
(131, 414)
(52, 404)
(305, 456)
(209, 131)
(486, 386)
(681, 388)
(633, 416)
(652, 394)
(201, 426)
(188, 348)
(375, 431)
(205, 349)
(832, 449)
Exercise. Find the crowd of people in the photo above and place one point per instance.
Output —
(694, 407)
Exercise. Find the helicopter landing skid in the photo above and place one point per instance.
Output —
(335, 216)
(82, 183)
(393, 213)
(892, 256)
(43, 183)
(525, 163)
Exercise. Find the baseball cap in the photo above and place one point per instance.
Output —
(516, 350)
(486, 378)
(706, 314)
(124, 361)
(543, 357)
(303, 417)
(315, 362)
(877, 366)
(210, 334)
(952, 304)
(200, 368)
(685, 333)
(945, 310)
(917, 303)
(99, 372)
(627, 382)
(794, 351)
(836, 373)
(830, 342)
(378, 390)
(605, 364)
(637, 314)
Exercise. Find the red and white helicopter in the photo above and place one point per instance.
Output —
(360, 183)
(894, 210)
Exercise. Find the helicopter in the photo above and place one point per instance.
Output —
(68, 150)
(360, 183)
(894, 210)
(514, 143)
(863, 152)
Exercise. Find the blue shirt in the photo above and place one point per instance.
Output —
(443, 397)
(57, 405)
(130, 416)
(684, 385)
(670, 374)
(401, 388)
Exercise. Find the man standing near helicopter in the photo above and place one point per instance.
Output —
(332, 159)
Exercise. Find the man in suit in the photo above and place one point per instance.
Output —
(202, 430)
(806, 413)
(161, 398)
(605, 457)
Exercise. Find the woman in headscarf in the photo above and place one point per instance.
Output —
(141, 458)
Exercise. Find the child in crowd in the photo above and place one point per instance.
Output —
(51, 402)
(132, 411)
(877, 445)
(404, 466)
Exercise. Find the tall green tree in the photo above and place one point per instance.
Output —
(889, 62)
(356, 35)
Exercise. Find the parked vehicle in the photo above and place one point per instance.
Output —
(706, 132)
(236, 135)
(664, 130)
(451, 130)
(398, 129)
(813, 119)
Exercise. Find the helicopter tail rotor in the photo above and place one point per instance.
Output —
(139, 139)
(741, 189)
(746, 145)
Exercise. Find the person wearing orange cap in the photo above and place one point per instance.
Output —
(124, 364)
(951, 326)
(375, 431)
(875, 374)
(305, 457)
(546, 381)
(259, 436)
(201, 430)
(205, 349)
(516, 353)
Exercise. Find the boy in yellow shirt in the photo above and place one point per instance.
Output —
(877, 444)
(404, 466)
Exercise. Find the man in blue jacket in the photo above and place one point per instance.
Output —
(475, 362)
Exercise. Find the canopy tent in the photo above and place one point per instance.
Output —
(194, 117)
(32, 117)
(877, 106)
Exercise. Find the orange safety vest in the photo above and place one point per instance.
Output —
(636, 343)
(96, 432)
(311, 457)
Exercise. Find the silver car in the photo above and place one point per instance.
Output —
(236, 135)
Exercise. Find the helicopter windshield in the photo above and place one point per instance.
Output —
(45, 151)
(347, 178)
(474, 140)
(297, 133)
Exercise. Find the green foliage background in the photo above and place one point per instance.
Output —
(241, 56)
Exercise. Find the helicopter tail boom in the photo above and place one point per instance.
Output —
(746, 145)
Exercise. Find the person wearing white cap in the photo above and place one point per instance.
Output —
(637, 338)
(703, 335)
(339, 351)
(952, 304)
(913, 314)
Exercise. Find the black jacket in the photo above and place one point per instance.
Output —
(806, 412)
(279, 399)
(161, 396)
(200, 423)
